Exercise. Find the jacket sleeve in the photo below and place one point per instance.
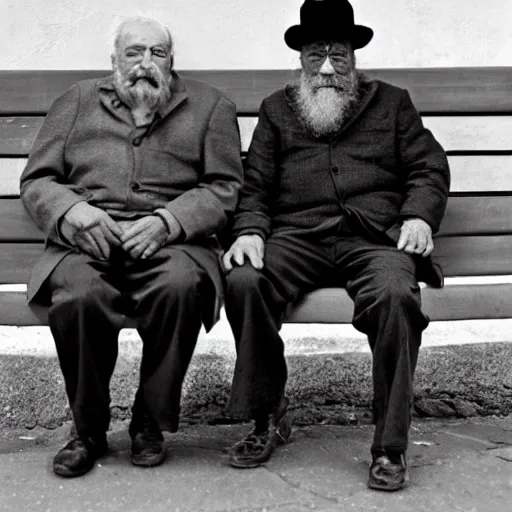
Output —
(254, 210)
(424, 166)
(203, 210)
(44, 188)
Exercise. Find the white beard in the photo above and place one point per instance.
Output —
(140, 94)
(324, 110)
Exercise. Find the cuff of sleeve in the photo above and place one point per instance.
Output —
(170, 221)
(251, 231)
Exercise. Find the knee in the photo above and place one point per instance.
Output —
(390, 294)
(242, 281)
(397, 291)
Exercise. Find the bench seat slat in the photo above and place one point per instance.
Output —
(331, 305)
(464, 215)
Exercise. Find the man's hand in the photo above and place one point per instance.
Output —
(416, 237)
(250, 246)
(91, 229)
(143, 237)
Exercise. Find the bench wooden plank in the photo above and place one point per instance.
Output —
(16, 224)
(458, 256)
(433, 90)
(464, 216)
(16, 311)
(482, 173)
(330, 305)
(475, 255)
(333, 305)
(477, 216)
(482, 133)
(17, 134)
(16, 262)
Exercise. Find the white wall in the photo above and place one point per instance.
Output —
(231, 34)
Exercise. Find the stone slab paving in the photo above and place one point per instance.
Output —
(463, 465)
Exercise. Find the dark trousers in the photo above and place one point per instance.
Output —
(380, 279)
(90, 298)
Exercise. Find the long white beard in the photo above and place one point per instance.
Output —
(140, 93)
(324, 110)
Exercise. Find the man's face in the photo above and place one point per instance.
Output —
(143, 52)
(328, 87)
(327, 58)
(142, 65)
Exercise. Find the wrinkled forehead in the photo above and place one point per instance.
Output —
(143, 33)
(327, 46)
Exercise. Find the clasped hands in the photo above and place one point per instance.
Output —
(94, 232)
(415, 238)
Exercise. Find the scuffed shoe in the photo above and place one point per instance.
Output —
(388, 475)
(147, 448)
(257, 447)
(78, 456)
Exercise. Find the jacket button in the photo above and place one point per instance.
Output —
(134, 185)
(136, 141)
(335, 170)
(116, 103)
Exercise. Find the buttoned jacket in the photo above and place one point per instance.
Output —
(89, 149)
(382, 167)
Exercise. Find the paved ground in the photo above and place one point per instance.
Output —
(463, 465)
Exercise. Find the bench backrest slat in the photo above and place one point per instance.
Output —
(433, 90)
(470, 174)
(458, 256)
(464, 216)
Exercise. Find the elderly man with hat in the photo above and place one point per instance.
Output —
(344, 187)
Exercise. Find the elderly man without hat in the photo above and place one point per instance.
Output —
(131, 178)
(344, 187)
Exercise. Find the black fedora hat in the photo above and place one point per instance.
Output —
(327, 20)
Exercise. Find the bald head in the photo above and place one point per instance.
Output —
(143, 28)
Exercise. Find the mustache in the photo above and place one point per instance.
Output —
(338, 82)
(152, 75)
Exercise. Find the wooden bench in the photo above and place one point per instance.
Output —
(468, 109)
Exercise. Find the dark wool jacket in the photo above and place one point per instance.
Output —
(382, 167)
(88, 149)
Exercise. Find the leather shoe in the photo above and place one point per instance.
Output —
(78, 456)
(388, 474)
(147, 444)
(257, 447)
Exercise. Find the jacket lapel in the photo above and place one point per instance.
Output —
(111, 102)
(368, 95)
(179, 95)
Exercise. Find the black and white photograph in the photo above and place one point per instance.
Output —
(255, 256)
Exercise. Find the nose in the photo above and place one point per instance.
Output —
(327, 68)
(146, 59)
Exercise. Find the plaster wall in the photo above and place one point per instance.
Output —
(232, 34)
